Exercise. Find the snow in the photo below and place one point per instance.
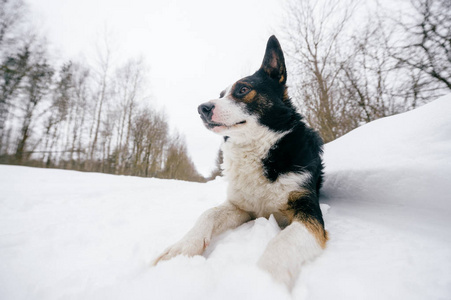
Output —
(386, 200)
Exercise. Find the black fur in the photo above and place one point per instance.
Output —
(264, 94)
(298, 151)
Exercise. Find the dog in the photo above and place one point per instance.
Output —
(273, 165)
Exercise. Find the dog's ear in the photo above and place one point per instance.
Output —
(273, 62)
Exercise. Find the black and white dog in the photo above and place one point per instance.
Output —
(272, 162)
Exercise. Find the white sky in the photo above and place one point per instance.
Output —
(194, 48)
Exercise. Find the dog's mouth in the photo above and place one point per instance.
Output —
(213, 125)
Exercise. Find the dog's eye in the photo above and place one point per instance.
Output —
(243, 90)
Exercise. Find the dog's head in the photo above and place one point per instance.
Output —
(257, 100)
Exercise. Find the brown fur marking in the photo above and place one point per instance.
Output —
(310, 223)
(247, 98)
(295, 195)
(282, 78)
(317, 230)
(250, 96)
(285, 95)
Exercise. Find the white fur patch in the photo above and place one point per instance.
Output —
(227, 111)
(248, 187)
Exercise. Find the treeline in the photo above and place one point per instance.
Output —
(73, 115)
(353, 64)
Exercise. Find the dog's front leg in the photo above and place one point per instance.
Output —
(293, 246)
(301, 241)
(211, 223)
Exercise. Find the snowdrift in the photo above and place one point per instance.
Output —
(386, 200)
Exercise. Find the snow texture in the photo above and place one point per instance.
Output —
(386, 200)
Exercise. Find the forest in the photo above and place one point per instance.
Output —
(357, 61)
(74, 115)
(350, 63)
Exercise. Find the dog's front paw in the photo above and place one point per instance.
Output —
(187, 246)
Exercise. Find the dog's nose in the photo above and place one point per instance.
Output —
(206, 110)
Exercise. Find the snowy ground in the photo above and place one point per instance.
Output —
(387, 205)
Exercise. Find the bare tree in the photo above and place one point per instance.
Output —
(11, 16)
(102, 77)
(13, 70)
(110, 121)
(425, 47)
(129, 82)
(81, 94)
(156, 143)
(178, 164)
(369, 78)
(36, 87)
(217, 171)
(60, 109)
(314, 30)
(14, 58)
(149, 136)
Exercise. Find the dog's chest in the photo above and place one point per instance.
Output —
(248, 188)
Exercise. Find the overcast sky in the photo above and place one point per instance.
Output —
(194, 48)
